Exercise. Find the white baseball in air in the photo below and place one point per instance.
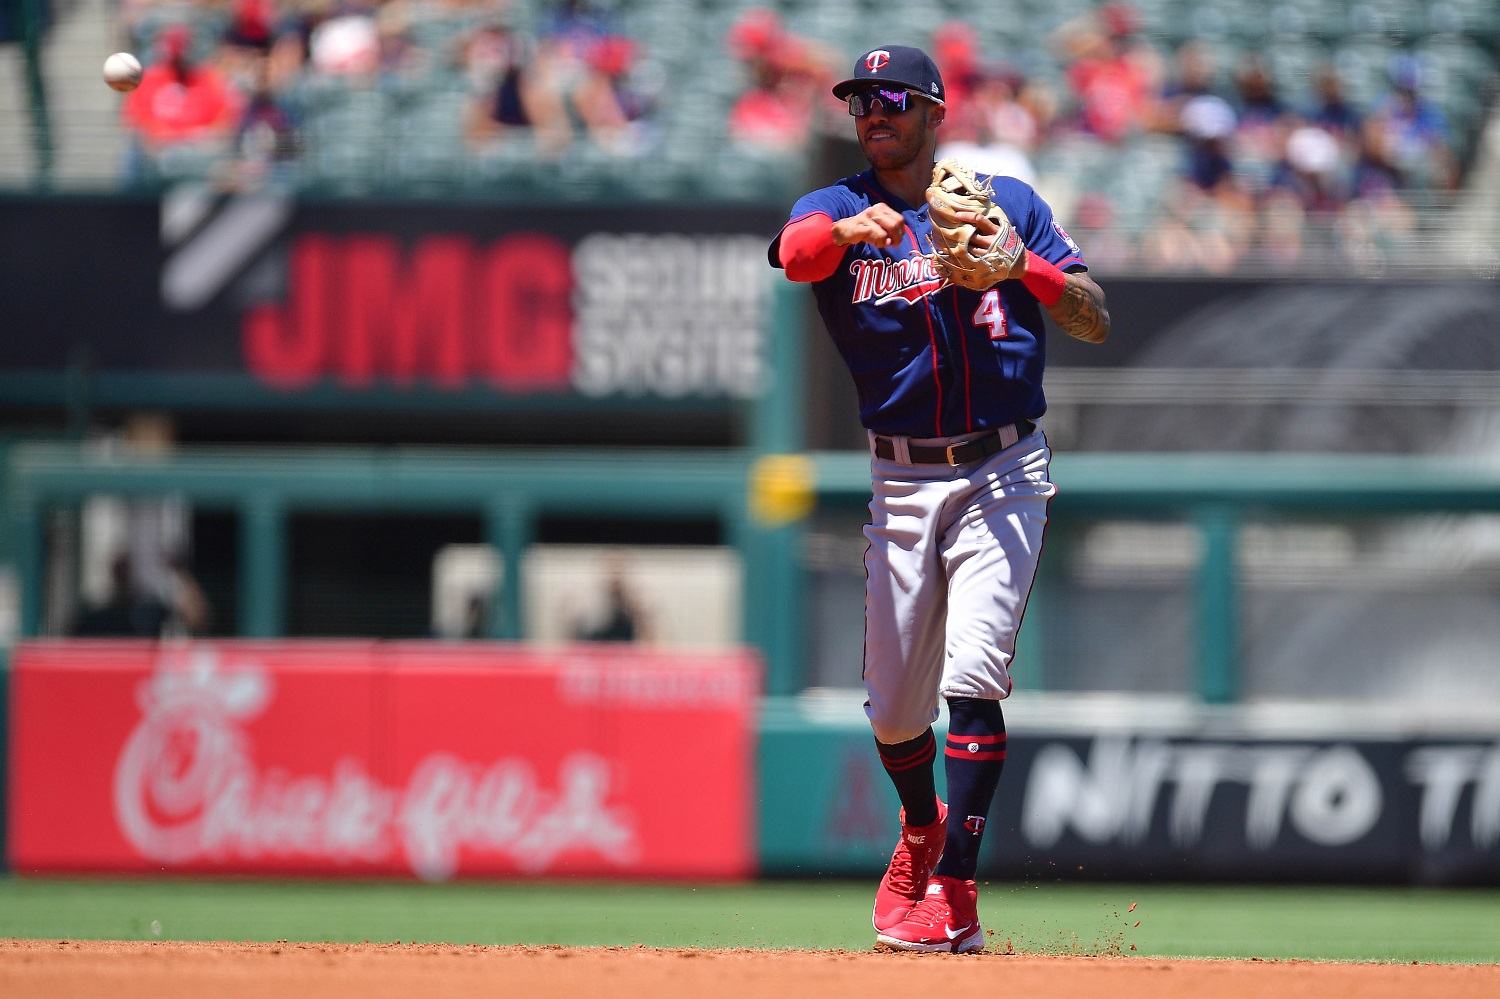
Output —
(122, 71)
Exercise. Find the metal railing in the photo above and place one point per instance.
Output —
(1215, 493)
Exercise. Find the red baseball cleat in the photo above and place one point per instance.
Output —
(946, 919)
(911, 865)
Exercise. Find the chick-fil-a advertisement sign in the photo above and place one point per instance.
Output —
(380, 758)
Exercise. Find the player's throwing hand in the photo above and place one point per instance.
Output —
(878, 225)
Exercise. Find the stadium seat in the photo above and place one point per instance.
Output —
(429, 147)
(1293, 60)
(1326, 19)
(1362, 64)
(1240, 23)
(208, 25)
(509, 163)
(1460, 77)
(410, 134)
(1478, 20)
(1135, 178)
(345, 132)
(1395, 19)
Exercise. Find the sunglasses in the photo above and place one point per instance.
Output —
(862, 102)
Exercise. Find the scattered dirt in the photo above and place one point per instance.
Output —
(57, 969)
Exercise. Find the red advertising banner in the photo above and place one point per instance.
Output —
(367, 758)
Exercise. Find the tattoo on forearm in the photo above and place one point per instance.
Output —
(1081, 312)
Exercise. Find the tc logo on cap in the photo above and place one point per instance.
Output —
(877, 60)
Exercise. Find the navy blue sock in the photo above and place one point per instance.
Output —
(909, 765)
(972, 760)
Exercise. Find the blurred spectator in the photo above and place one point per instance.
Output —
(956, 53)
(1330, 110)
(476, 616)
(182, 110)
(1311, 171)
(252, 25)
(1001, 133)
(1262, 119)
(789, 79)
(1283, 229)
(1208, 124)
(176, 608)
(127, 613)
(1416, 132)
(614, 109)
(188, 612)
(558, 65)
(581, 71)
(1010, 111)
(1113, 75)
(287, 55)
(1371, 227)
(1208, 216)
(1376, 217)
(1196, 232)
(1039, 101)
(587, 78)
(267, 140)
(397, 56)
(494, 60)
(346, 44)
(623, 620)
(1255, 92)
(1194, 74)
(247, 40)
(1375, 174)
(1096, 227)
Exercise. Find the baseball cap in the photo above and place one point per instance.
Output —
(1207, 117)
(900, 65)
(1312, 150)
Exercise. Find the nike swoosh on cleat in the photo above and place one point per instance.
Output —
(955, 934)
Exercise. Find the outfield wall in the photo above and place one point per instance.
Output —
(1141, 788)
(497, 760)
(386, 759)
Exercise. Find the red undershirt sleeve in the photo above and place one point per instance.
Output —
(807, 250)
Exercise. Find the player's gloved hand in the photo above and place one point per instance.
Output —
(879, 225)
(985, 230)
(974, 243)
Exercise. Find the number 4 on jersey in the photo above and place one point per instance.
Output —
(992, 314)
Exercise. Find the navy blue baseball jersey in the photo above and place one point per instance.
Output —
(930, 358)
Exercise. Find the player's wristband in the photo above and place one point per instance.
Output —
(1043, 279)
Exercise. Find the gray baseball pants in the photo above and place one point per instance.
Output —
(952, 554)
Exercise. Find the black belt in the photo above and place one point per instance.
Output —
(956, 454)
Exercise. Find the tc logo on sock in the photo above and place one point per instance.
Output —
(975, 824)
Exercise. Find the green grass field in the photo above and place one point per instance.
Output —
(1325, 923)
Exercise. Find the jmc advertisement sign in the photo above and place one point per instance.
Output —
(652, 303)
(367, 758)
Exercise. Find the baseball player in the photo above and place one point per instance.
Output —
(949, 381)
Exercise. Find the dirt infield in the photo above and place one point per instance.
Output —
(57, 969)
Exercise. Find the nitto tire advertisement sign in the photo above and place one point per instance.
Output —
(390, 759)
(590, 302)
(1184, 807)
(1385, 810)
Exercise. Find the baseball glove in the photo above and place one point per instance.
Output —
(955, 189)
